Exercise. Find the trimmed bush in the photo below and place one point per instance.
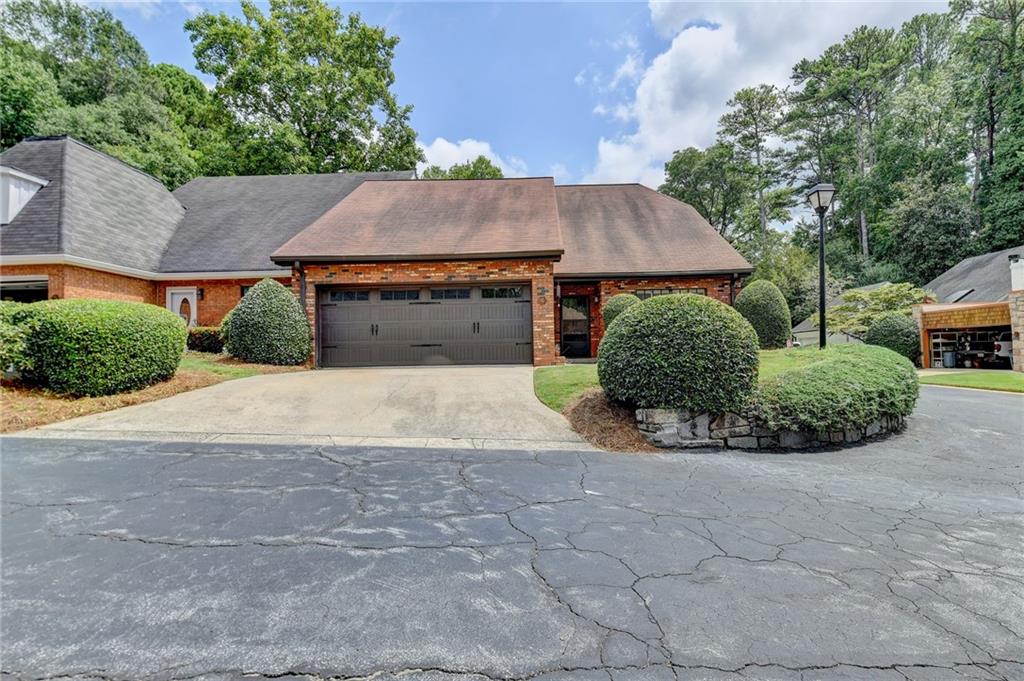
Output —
(205, 339)
(268, 326)
(850, 386)
(13, 338)
(101, 347)
(680, 351)
(616, 305)
(898, 332)
(225, 322)
(762, 304)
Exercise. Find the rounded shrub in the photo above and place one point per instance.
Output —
(895, 331)
(845, 386)
(679, 351)
(268, 326)
(205, 339)
(616, 305)
(101, 347)
(762, 304)
(13, 338)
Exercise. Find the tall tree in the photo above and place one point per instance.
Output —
(308, 72)
(754, 119)
(855, 76)
(711, 181)
(27, 93)
(480, 168)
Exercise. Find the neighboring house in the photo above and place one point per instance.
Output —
(980, 303)
(806, 332)
(389, 270)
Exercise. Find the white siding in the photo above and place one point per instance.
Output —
(16, 188)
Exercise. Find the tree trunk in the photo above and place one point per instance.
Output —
(761, 210)
(861, 171)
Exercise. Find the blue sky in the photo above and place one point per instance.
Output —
(587, 92)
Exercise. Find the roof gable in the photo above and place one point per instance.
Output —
(434, 219)
(983, 278)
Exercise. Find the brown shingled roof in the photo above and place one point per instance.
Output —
(433, 219)
(628, 229)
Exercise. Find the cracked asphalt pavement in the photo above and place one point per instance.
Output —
(900, 559)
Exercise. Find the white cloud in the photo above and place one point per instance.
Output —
(715, 50)
(629, 70)
(560, 173)
(443, 153)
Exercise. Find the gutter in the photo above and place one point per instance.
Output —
(58, 259)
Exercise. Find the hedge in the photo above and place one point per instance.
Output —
(268, 326)
(13, 338)
(101, 347)
(762, 304)
(205, 339)
(616, 305)
(849, 386)
(679, 351)
(896, 331)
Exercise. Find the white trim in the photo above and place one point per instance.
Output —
(58, 259)
(191, 292)
(24, 277)
(8, 170)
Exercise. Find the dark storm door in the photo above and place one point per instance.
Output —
(576, 326)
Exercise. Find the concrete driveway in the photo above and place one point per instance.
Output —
(479, 407)
(891, 561)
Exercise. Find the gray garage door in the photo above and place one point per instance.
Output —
(438, 325)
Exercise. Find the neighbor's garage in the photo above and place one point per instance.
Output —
(966, 335)
(422, 326)
(24, 289)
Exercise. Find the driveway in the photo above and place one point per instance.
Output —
(481, 407)
(895, 560)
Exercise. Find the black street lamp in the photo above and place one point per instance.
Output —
(820, 198)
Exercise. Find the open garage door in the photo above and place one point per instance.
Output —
(419, 326)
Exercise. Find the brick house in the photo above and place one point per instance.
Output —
(390, 270)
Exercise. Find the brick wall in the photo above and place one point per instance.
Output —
(966, 316)
(219, 296)
(1016, 307)
(716, 287)
(537, 273)
(68, 281)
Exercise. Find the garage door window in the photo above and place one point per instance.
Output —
(400, 295)
(349, 296)
(503, 292)
(449, 294)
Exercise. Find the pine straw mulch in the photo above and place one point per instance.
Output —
(606, 425)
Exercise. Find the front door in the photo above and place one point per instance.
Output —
(182, 302)
(576, 326)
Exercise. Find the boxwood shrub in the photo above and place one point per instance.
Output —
(205, 339)
(616, 305)
(848, 386)
(13, 338)
(896, 331)
(762, 304)
(679, 351)
(268, 326)
(101, 347)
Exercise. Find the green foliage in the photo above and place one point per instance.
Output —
(101, 347)
(859, 309)
(307, 75)
(14, 338)
(762, 304)
(616, 305)
(709, 180)
(1004, 188)
(848, 386)
(480, 168)
(896, 331)
(679, 351)
(27, 92)
(268, 326)
(225, 327)
(205, 339)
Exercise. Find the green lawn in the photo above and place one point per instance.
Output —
(1009, 381)
(558, 386)
(216, 364)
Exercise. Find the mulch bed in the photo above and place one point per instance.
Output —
(606, 425)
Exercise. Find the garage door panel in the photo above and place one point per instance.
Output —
(416, 327)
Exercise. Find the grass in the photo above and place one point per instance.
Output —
(24, 407)
(560, 386)
(1007, 381)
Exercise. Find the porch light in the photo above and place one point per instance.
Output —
(820, 197)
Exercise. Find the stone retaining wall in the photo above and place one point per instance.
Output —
(682, 429)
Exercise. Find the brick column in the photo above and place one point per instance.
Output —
(1017, 326)
(543, 292)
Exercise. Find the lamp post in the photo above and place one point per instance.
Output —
(820, 198)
